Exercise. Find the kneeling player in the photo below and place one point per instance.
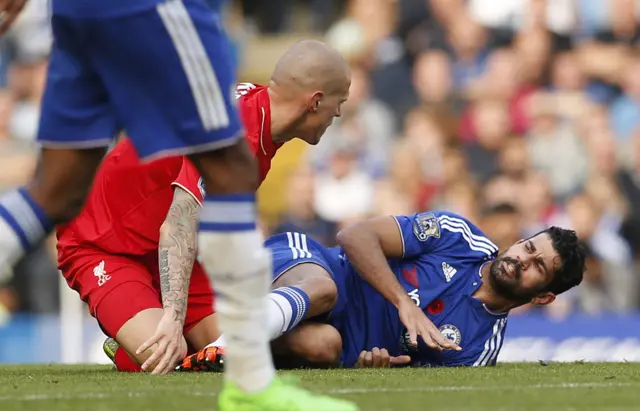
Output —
(433, 274)
(114, 252)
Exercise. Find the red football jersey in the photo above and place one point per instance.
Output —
(255, 110)
(129, 200)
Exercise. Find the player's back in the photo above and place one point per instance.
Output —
(441, 270)
(127, 204)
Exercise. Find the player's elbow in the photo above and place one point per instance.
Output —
(346, 236)
(357, 237)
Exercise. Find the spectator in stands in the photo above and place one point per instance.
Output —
(365, 122)
(301, 215)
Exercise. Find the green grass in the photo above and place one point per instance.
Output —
(508, 387)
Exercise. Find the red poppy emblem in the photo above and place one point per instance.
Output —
(411, 276)
(435, 307)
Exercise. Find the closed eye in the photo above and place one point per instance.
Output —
(530, 247)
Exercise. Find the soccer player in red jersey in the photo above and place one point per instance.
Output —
(135, 264)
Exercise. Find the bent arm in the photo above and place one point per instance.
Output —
(368, 245)
(177, 251)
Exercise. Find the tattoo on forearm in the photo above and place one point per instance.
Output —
(177, 252)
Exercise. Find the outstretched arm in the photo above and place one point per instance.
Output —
(177, 251)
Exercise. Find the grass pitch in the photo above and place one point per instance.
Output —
(508, 387)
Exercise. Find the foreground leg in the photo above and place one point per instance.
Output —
(76, 125)
(237, 263)
(56, 194)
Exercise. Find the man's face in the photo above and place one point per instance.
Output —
(521, 272)
(323, 109)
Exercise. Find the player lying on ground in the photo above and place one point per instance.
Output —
(131, 261)
(394, 278)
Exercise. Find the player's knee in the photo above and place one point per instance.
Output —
(227, 170)
(314, 344)
(137, 329)
(326, 292)
(326, 348)
(316, 282)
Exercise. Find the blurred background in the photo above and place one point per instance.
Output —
(517, 114)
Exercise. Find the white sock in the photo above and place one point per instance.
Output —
(286, 307)
(23, 224)
(220, 342)
(240, 269)
(11, 250)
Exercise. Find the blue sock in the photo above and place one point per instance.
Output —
(290, 306)
(25, 220)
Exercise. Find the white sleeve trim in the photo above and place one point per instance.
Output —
(474, 241)
(185, 189)
(401, 234)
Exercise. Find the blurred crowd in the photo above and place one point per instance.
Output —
(516, 114)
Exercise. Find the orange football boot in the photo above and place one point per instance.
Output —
(210, 359)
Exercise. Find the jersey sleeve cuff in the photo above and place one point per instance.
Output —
(195, 197)
(401, 234)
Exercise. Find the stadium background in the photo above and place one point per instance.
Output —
(515, 113)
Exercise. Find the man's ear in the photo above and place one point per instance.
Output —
(316, 100)
(544, 298)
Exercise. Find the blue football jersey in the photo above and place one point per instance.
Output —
(441, 270)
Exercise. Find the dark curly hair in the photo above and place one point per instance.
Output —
(572, 255)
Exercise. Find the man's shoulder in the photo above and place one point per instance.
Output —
(245, 90)
(253, 105)
(453, 233)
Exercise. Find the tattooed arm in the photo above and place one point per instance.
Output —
(177, 252)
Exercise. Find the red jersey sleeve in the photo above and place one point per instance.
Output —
(190, 181)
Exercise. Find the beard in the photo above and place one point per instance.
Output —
(505, 276)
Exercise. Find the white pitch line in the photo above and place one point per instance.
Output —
(435, 388)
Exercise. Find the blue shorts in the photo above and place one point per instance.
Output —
(164, 75)
(292, 249)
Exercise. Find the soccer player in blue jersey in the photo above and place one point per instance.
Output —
(436, 267)
(161, 70)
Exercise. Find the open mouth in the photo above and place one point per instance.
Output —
(509, 269)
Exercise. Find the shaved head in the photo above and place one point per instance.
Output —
(307, 88)
(309, 65)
